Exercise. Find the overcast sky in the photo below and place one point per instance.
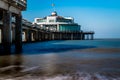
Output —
(100, 16)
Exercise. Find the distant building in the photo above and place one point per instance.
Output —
(57, 23)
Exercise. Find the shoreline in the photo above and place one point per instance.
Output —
(99, 50)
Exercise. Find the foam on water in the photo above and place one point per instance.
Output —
(77, 76)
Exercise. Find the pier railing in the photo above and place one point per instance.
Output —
(21, 4)
(27, 23)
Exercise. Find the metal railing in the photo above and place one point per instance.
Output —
(27, 23)
(22, 4)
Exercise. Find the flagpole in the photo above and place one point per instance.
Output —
(53, 5)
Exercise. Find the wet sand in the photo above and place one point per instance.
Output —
(80, 64)
(100, 50)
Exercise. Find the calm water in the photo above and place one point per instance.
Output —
(61, 46)
(66, 58)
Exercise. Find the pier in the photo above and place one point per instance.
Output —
(16, 30)
(11, 9)
(32, 33)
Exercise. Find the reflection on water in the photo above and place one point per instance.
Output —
(10, 64)
(62, 63)
(70, 64)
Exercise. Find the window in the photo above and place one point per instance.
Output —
(41, 20)
(51, 21)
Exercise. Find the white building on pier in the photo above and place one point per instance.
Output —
(55, 23)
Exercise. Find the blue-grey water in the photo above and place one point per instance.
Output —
(84, 58)
(61, 46)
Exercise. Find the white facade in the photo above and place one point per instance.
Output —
(57, 23)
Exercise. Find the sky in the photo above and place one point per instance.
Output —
(100, 16)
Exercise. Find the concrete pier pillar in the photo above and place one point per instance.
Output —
(83, 36)
(24, 36)
(0, 36)
(52, 36)
(60, 36)
(36, 35)
(92, 37)
(71, 36)
(13, 34)
(18, 33)
(39, 35)
(33, 36)
(43, 36)
(7, 32)
(87, 36)
(29, 35)
(78, 37)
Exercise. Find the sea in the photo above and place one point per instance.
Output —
(64, 60)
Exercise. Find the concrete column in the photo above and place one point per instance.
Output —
(0, 36)
(7, 32)
(38, 35)
(83, 36)
(50, 35)
(24, 35)
(71, 36)
(32, 36)
(42, 36)
(18, 34)
(60, 36)
(87, 36)
(13, 34)
(29, 35)
(92, 37)
(53, 37)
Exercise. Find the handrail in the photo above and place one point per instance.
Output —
(22, 3)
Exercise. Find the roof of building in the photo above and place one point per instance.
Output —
(54, 13)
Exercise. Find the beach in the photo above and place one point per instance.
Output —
(63, 60)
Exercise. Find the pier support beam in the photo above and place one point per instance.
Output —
(83, 36)
(18, 34)
(7, 32)
(87, 36)
(29, 35)
(92, 37)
